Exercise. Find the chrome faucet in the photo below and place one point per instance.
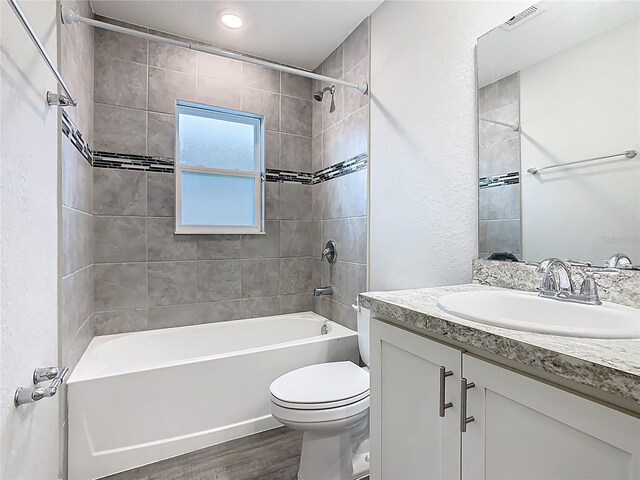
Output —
(558, 285)
(321, 291)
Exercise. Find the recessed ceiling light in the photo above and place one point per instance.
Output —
(231, 20)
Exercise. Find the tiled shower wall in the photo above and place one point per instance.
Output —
(76, 324)
(76, 319)
(499, 154)
(340, 205)
(147, 277)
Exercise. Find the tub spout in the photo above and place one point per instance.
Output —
(320, 291)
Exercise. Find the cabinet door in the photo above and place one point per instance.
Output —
(409, 439)
(526, 429)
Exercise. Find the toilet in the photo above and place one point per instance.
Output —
(329, 403)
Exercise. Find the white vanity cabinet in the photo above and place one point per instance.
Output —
(526, 429)
(522, 428)
(409, 438)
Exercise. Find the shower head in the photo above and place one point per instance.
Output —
(319, 95)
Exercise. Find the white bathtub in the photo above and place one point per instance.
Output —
(137, 398)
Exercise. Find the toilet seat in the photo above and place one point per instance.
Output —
(322, 386)
(290, 416)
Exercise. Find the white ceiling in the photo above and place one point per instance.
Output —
(561, 25)
(299, 33)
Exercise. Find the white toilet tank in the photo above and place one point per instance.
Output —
(364, 315)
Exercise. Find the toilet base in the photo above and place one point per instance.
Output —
(341, 456)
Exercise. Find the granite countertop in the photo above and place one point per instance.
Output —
(612, 366)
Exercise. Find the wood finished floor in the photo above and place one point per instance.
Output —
(271, 455)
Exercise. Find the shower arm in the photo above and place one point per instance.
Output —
(71, 17)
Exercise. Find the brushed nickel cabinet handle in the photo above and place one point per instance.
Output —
(464, 386)
(444, 373)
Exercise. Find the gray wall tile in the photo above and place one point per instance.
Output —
(218, 247)
(295, 238)
(120, 129)
(350, 235)
(255, 76)
(210, 312)
(77, 240)
(265, 245)
(355, 135)
(120, 239)
(120, 286)
(295, 201)
(163, 244)
(265, 103)
(344, 315)
(296, 86)
(272, 150)
(332, 65)
(356, 46)
(260, 307)
(119, 192)
(161, 194)
(218, 280)
(295, 275)
(218, 94)
(161, 135)
(333, 145)
(117, 45)
(172, 57)
(296, 303)
(109, 89)
(77, 179)
(353, 99)
(77, 302)
(121, 321)
(259, 277)
(222, 69)
(503, 236)
(167, 86)
(171, 283)
(316, 153)
(296, 116)
(348, 280)
(295, 153)
(172, 316)
(272, 201)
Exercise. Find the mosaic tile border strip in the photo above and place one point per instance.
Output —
(75, 137)
(352, 165)
(121, 161)
(512, 178)
(165, 165)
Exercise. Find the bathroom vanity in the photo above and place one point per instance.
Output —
(453, 398)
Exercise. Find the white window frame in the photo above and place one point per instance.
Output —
(258, 173)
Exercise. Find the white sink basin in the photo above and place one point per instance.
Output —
(530, 313)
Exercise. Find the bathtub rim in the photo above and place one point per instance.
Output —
(336, 331)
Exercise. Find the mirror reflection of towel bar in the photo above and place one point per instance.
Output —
(513, 126)
(627, 153)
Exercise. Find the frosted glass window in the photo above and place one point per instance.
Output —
(219, 170)
(216, 143)
(211, 199)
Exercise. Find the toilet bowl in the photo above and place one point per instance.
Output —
(329, 403)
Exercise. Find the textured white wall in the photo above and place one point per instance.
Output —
(28, 243)
(423, 154)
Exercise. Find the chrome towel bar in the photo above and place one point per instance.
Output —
(627, 153)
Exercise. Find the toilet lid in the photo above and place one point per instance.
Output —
(334, 383)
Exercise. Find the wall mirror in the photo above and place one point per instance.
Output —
(559, 132)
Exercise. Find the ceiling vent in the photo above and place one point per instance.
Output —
(522, 17)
